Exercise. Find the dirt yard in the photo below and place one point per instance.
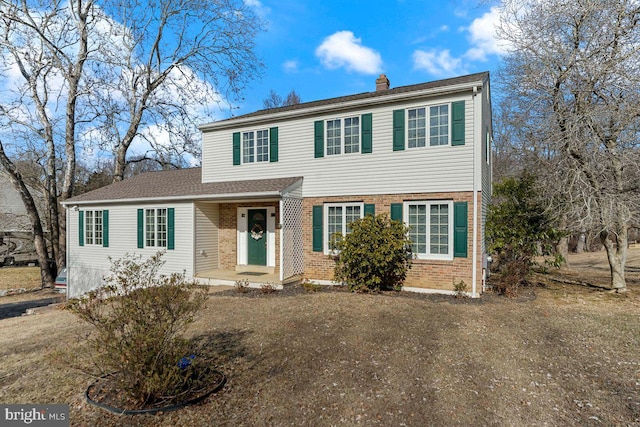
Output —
(558, 355)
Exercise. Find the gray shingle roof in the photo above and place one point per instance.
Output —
(471, 78)
(183, 183)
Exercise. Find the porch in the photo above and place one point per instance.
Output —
(254, 276)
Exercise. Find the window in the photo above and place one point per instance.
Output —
(487, 147)
(343, 136)
(93, 228)
(255, 146)
(430, 228)
(339, 216)
(438, 127)
(156, 228)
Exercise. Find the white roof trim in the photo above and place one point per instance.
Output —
(296, 113)
(222, 197)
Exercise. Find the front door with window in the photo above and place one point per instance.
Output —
(257, 237)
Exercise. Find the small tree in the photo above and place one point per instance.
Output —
(139, 319)
(374, 256)
(517, 228)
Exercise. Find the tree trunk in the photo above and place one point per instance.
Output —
(617, 256)
(582, 240)
(562, 248)
(47, 278)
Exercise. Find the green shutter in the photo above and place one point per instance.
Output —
(171, 228)
(236, 148)
(398, 130)
(396, 211)
(457, 123)
(81, 228)
(105, 228)
(141, 228)
(273, 145)
(370, 209)
(367, 140)
(460, 229)
(318, 136)
(317, 229)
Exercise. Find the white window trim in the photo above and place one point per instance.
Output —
(255, 146)
(155, 226)
(94, 228)
(342, 135)
(428, 126)
(405, 218)
(325, 222)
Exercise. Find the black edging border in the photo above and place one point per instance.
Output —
(154, 411)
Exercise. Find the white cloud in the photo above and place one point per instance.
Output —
(444, 28)
(483, 38)
(439, 63)
(343, 49)
(290, 66)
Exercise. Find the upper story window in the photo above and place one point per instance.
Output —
(156, 227)
(436, 130)
(93, 227)
(255, 146)
(339, 216)
(343, 136)
(429, 126)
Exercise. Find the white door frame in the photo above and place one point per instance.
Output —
(241, 234)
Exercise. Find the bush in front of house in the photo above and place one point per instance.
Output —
(518, 228)
(139, 319)
(374, 256)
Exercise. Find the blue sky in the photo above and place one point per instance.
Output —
(335, 48)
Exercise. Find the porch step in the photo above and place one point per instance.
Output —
(255, 269)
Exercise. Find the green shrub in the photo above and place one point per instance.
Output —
(374, 256)
(139, 318)
(518, 229)
(460, 289)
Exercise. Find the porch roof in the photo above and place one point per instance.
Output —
(183, 184)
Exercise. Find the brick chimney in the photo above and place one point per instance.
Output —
(382, 83)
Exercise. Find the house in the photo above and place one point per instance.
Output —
(276, 184)
(16, 233)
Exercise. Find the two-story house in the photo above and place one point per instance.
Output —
(276, 184)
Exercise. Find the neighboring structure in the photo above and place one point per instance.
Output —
(276, 184)
(16, 234)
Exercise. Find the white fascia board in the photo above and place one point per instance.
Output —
(321, 109)
(263, 196)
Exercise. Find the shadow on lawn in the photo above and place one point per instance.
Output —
(222, 347)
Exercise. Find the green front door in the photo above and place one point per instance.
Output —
(257, 238)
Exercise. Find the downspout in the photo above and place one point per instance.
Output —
(474, 257)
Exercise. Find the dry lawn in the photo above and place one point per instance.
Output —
(558, 355)
(19, 277)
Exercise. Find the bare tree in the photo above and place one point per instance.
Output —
(574, 73)
(107, 75)
(274, 100)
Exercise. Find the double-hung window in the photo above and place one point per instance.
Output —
(343, 135)
(156, 228)
(430, 228)
(428, 124)
(255, 146)
(93, 227)
(338, 217)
